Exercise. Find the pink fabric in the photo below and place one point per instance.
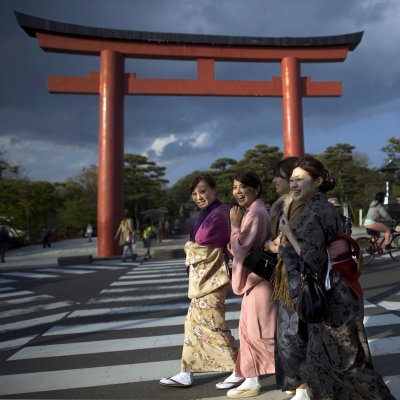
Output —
(259, 310)
(214, 232)
(253, 232)
(256, 332)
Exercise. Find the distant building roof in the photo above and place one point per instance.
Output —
(32, 24)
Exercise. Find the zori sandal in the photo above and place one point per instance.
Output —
(179, 380)
(229, 384)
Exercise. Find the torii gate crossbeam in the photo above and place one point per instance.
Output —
(111, 83)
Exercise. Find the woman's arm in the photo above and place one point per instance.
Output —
(288, 237)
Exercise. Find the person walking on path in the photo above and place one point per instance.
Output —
(124, 235)
(89, 231)
(149, 234)
(258, 310)
(4, 241)
(290, 349)
(46, 238)
(338, 360)
(208, 343)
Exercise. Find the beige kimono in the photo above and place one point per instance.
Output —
(208, 344)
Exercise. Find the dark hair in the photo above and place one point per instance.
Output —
(202, 177)
(316, 169)
(249, 178)
(380, 197)
(285, 167)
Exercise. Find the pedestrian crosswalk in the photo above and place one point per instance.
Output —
(127, 336)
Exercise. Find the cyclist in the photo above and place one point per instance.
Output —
(378, 219)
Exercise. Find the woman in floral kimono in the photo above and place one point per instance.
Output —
(258, 311)
(208, 344)
(339, 364)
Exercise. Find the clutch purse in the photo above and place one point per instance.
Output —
(261, 263)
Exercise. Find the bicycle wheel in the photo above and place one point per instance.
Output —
(367, 249)
(395, 251)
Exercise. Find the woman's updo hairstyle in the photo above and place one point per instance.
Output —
(285, 167)
(249, 178)
(316, 169)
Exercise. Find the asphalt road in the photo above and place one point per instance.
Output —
(111, 330)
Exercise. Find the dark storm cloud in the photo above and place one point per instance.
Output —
(370, 76)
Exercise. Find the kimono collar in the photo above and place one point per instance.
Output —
(204, 213)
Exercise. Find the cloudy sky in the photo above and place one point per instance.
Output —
(53, 136)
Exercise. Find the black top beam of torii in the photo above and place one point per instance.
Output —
(32, 24)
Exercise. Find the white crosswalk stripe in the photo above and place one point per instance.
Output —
(142, 311)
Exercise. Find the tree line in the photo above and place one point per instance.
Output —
(67, 207)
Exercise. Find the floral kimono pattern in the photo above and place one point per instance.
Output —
(208, 344)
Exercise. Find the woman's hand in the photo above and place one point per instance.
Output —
(284, 226)
(236, 215)
(229, 248)
(271, 246)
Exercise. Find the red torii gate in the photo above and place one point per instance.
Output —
(112, 83)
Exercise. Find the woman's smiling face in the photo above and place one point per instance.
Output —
(303, 185)
(203, 194)
(244, 195)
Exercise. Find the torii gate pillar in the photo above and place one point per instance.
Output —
(110, 204)
(293, 138)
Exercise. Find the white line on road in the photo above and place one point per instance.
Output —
(124, 290)
(100, 267)
(15, 343)
(390, 305)
(6, 280)
(383, 346)
(169, 296)
(85, 377)
(29, 323)
(30, 275)
(41, 307)
(101, 346)
(380, 320)
(127, 324)
(29, 299)
(65, 271)
(145, 275)
(147, 281)
(13, 294)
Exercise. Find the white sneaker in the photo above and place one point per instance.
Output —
(302, 394)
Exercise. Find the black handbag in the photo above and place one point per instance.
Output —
(312, 300)
(261, 263)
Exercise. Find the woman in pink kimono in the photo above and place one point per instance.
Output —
(208, 344)
(258, 310)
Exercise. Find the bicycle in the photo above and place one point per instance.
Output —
(372, 245)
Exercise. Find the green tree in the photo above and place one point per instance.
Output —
(7, 170)
(392, 149)
(144, 185)
(79, 196)
(29, 206)
(356, 183)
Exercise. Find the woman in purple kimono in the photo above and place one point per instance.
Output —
(258, 310)
(208, 344)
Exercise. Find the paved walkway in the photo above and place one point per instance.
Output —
(37, 256)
